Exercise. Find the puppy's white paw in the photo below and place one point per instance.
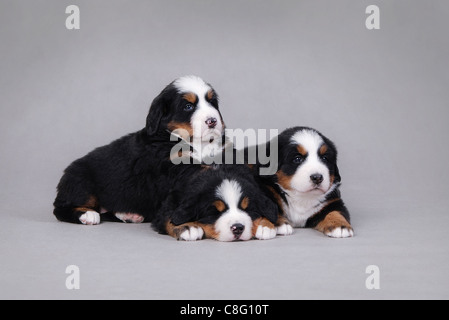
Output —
(284, 230)
(265, 233)
(130, 217)
(90, 218)
(340, 233)
(192, 234)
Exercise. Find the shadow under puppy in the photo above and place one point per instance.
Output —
(222, 202)
(306, 184)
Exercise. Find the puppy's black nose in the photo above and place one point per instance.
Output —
(211, 122)
(237, 229)
(316, 178)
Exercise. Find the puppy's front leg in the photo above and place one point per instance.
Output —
(283, 226)
(190, 231)
(335, 225)
(263, 229)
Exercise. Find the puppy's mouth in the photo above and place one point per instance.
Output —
(211, 134)
(240, 237)
(238, 233)
(318, 187)
(315, 190)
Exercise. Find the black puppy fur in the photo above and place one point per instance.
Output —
(333, 213)
(130, 175)
(192, 201)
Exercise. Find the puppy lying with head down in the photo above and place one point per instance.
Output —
(306, 184)
(217, 202)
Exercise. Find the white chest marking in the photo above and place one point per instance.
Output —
(300, 209)
(302, 206)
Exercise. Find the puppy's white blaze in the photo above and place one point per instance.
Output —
(309, 139)
(230, 193)
(311, 142)
(202, 113)
(192, 84)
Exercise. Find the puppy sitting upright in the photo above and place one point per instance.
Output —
(306, 183)
(127, 180)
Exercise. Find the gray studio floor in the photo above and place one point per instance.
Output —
(380, 95)
(123, 261)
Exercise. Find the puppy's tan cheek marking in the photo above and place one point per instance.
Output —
(185, 130)
(209, 231)
(332, 221)
(284, 180)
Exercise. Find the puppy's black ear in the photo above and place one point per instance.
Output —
(264, 207)
(182, 215)
(334, 155)
(159, 108)
(337, 177)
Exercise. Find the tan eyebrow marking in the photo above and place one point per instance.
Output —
(210, 94)
(323, 149)
(190, 97)
(284, 180)
(245, 202)
(220, 205)
(301, 150)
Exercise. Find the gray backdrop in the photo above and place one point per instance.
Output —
(381, 95)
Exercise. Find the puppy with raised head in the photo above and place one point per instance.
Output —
(127, 180)
(306, 184)
(217, 202)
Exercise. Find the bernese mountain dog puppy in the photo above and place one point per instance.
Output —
(127, 180)
(306, 184)
(221, 202)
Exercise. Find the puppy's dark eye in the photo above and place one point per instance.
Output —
(324, 158)
(298, 159)
(188, 107)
